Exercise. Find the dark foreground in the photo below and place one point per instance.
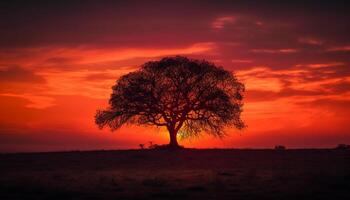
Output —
(183, 174)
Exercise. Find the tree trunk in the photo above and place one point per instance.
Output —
(173, 139)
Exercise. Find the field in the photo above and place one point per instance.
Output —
(183, 174)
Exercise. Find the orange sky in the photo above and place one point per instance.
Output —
(58, 63)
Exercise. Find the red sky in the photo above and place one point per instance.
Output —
(58, 62)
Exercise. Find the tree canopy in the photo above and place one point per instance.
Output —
(187, 96)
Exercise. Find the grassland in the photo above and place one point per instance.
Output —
(182, 174)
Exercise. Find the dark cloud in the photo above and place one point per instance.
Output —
(18, 74)
(272, 27)
(338, 107)
(167, 23)
(316, 82)
(61, 60)
(100, 76)
(338, 87)
(260, 95)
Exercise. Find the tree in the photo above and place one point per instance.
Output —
(187, 96)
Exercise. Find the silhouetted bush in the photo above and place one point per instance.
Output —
(343, 147)
(152, 146)
(155, 182)
(280, 147)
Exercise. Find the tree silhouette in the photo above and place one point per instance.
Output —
(187, 96)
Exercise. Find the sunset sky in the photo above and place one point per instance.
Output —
(59, 60)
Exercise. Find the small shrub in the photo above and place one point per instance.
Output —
(152, 146)
(154, 182)
(343, 147)
(280, 147)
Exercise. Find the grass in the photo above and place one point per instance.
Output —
(182, 174)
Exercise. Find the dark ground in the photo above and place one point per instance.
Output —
(183, 174)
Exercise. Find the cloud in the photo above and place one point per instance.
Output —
(321, 65)
(274, 50)
(258, 95)
(18, 74)
(310, 41)
(338, 87)
(82, 57)
(241, 61)
(35, 101)
(89, 83)
(339, 48)
(264, 84)
(62, 60)
(253, 82)
(100, 76)
(84, 71)
(221, 22)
